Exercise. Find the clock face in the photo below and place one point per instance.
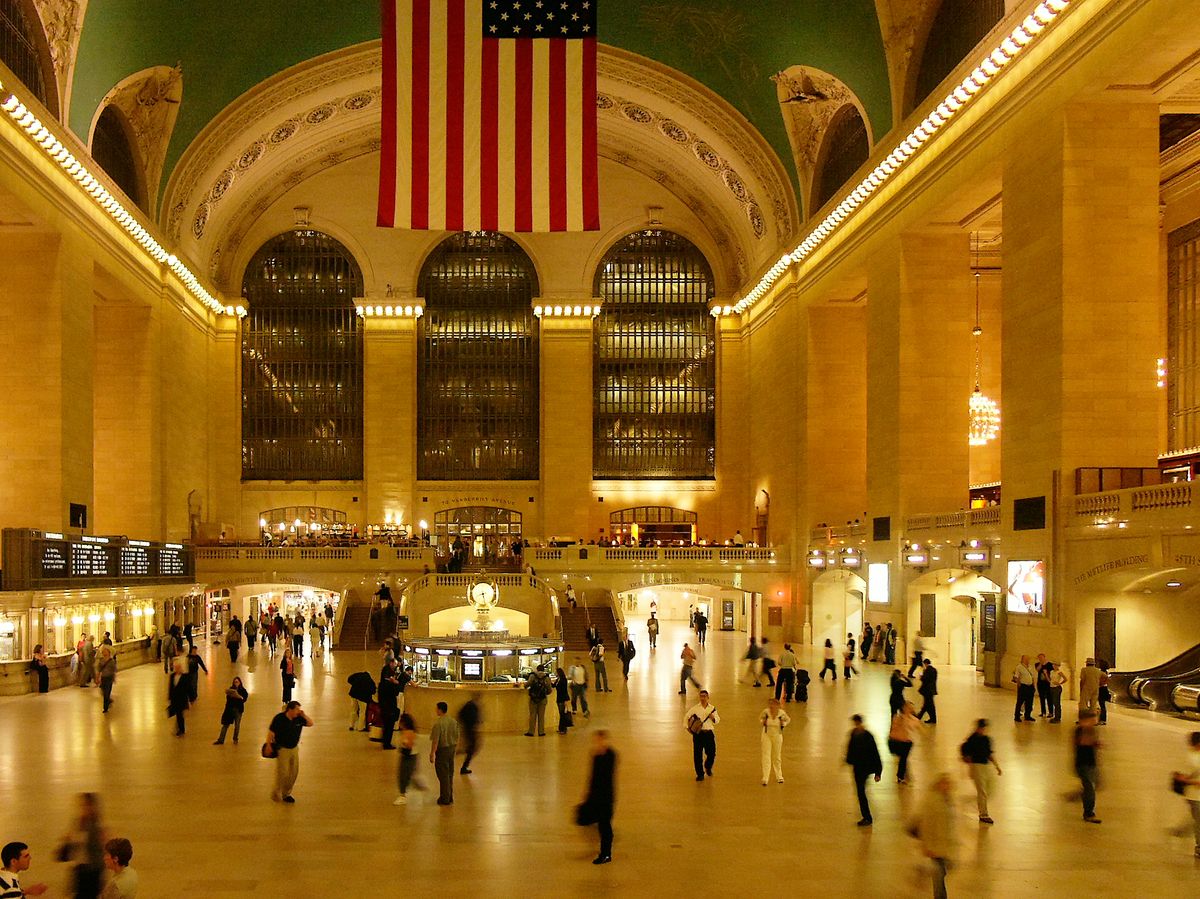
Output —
(482, 594)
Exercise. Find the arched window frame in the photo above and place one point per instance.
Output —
(641, 430)
(302, 362)
(135, 190)
(36, 70)
(838, 154)
(478, 367)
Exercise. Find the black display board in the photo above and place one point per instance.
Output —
(36, 559)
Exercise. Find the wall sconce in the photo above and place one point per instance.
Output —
(816, 558)
(851, 558)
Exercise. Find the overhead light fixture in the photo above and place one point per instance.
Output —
(983, 415)
(1174, 584)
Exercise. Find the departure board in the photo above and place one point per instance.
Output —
(36, 559)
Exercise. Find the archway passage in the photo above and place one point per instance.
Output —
(946, 608)
(653, 523)
(488, 532)
(838, 608)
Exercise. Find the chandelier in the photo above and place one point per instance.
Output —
(983, 414)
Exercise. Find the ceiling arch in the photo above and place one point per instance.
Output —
(326, 112)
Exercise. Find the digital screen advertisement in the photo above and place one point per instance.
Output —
(1027, 587)
(877, 582)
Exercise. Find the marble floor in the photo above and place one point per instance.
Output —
(202, 824)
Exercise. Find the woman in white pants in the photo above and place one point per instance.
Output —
(774, 720)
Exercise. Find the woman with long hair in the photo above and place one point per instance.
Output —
(408, 758)
(41, 668)
(562, 696)
(179, 694)
(235, 706)
(287, 671)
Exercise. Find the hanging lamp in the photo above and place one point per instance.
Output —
(983, 413)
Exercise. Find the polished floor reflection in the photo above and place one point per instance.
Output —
(202, 824)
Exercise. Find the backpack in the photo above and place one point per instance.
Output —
(630, 650)
(539, 689)
(595, 654)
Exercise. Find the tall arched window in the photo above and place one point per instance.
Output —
(655, 361)
(22, 48)
(846, 147)
(113, 150)
(477, 365)
(958, 26)
(302, 361)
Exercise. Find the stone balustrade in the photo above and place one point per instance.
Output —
(1111, 505)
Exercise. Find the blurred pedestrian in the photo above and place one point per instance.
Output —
(935, 825)
(1087, 762)
(83, 848)
(470, 716)
(901, 736)
(408, 759)
(862, 755)
(1187, 784)
(106, 674)
(179, 694)
(597, 806)
(195, 663)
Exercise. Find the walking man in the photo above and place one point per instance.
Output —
(625, 652)
(1087, 762)
(284, 738)
(443, 742)
(688, 659)
(928, 691)
(579, 685)
(862, 755)
(598, 805)
(539, 690)
(601, 670)
(1026, 680)
(934, 825)
(652, 630)
(1089, 688)
(701, 628)
(918, 655)
(469, 719)
(976, 751)
(785, 681)
(106, 674)
(389, 710)
(701, 721)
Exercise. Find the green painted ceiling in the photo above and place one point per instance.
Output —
(226, 47)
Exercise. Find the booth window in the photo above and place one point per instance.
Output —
(654, 414)
(846, 147)
(957, 28)
(302, 361)
(113, 152)
(477, 363)
(1183, 342)
(20, 41)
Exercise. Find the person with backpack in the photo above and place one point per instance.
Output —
(701, 721)
(539, 689)
(625, 652)
(597, 656)
(578, 685)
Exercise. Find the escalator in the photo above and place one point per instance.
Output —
(1171, 686)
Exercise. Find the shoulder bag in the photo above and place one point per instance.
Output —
(695, 724)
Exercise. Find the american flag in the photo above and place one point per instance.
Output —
(489, 115)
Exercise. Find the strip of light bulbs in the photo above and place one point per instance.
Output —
(1042, 17)
(590, 310)
(56, 152)
(409, 311)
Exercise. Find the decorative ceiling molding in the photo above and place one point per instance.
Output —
(326, 111)
(62, 21)
(149, 100)
(809, 101)
(905, 25)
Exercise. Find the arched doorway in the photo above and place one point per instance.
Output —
(488, 531)
(838, 599)
(945, 607)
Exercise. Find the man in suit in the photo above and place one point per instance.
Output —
(928, 691)
(625, 652)
(601, 796)
(862, 755)
(593, 636)
(389, 692)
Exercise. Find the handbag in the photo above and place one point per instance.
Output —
(568, 719)
(585, 816)
(269, 751)
(695, 725)
(1178, 785)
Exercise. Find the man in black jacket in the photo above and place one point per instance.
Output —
(928, 691)
(389, 690)
(597, 807)
(362, 693)
(862, 755)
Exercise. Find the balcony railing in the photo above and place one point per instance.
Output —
(609, 555)
(989, 516)
(416, 555)
(1100, 508)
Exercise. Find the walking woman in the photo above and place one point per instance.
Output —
(408, 758)
(235, 706)
(41, 668)
(195, 663)
(901, 737)
(272, 635)
(84, 847)
(897, 701)
(773, 721)
(830, 664)
(562, 696)
(250, 628)
(287, 670)
(179, 694)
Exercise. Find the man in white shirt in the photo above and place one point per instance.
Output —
(785, 681)
(1026, 679)
(701, 721)
(601, 671)
(578, 686)
(123, 880)
(15, 858)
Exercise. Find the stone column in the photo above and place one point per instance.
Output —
(732, 468)
(390, 419)
(46, 369)
(225, 503)
(566, 425)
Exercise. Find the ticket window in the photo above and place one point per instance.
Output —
(10, 640)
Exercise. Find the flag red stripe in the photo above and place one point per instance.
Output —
(489, 135)
(420, 115)
(386, 215)
(523, 139)
(455, 92)
(591, 199)
(558, 135)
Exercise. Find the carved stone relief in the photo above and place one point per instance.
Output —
(149, 100)
(62, 21)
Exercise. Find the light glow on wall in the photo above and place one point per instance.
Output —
(879, 577)
(1027, 587)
